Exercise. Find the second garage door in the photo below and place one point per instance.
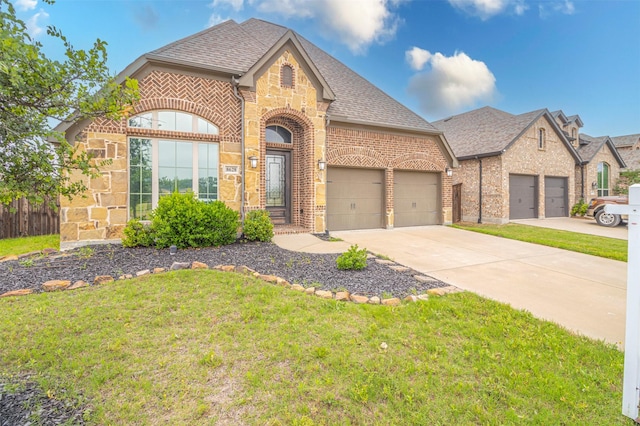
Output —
(555, 197)
(416, 198)
(522, 197)
(355, 198)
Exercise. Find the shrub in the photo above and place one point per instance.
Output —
(579, 208)
(184, 221)
(258, 226)
(352, 259)
(137, 234)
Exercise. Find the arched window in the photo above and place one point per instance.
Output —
(174, 121)
(159, 166)
(277, 134)
(541, 140)
(286, 76)
(603, 179)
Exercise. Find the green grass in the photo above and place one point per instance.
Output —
(205, 347)
(28, 244)
(611, 248)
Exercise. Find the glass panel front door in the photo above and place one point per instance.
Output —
(277, 182)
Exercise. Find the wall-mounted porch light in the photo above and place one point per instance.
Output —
(254, 161)
(594, 185)
(449, 172)
(322, 164)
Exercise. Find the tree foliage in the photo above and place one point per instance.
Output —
(36, 91)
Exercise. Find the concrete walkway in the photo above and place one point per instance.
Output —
(583, 293)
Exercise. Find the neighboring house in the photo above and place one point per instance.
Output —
(600, 169)
(255, 115)
(600, 162)
(511, 166)
(629, 148)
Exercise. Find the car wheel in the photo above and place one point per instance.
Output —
(607, 219)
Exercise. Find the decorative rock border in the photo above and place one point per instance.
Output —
(60, 285)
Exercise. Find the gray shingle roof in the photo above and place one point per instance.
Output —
(235, 48)
(591, 145)
(485, 131)
(631, 158)
(626, 140)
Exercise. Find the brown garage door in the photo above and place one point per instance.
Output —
(416, 198)
(555, 197)
(355, 198)
(522, 197)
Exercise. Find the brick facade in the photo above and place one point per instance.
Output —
(377, 149)
(103, 211)
(522, 157)
(591, 174)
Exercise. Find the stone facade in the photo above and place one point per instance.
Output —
(103, 211)
(522, 157)
(590, 171)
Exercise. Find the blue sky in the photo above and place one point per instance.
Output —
(438, 57)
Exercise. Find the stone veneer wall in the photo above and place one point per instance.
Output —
(468, 174)
(296, 108)
(363, 147)
(591, 173)
(101, 212)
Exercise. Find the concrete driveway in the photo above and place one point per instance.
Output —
(581, 225)
(583, 293)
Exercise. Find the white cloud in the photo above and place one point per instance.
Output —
(215, 19)
(233, 4)
(26, 4)
(566, 7)
(417, 57)
(452, 83)
(486, 9)
(355, 23)
(34, 25)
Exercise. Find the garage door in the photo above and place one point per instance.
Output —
(555, 197)
(355, 198)
(522, 197)
(416, 198)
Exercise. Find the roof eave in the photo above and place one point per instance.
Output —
(482, 155)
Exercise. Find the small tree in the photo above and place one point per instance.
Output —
(34, 90)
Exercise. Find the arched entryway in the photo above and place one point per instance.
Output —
(288, 174)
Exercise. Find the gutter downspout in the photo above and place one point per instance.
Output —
(480, 190)
(235, 82)
(327, 121)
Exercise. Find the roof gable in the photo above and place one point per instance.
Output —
(591, 145)
(488, 131)
(291, 42)
(626, 140)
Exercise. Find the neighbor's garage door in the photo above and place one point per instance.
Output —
(416, 198)
(355, 198)
(555, 197)
(522, 197)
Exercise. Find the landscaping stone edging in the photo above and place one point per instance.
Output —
(62, 285)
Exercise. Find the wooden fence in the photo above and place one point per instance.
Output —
(22, 219)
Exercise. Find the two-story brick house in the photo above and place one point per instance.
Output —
(257, 116)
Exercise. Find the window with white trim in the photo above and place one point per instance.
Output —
(161, 166)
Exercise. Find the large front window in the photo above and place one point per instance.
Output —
(160, 166)
(603, 179)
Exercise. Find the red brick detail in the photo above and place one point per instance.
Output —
(301, 148)
(212, 100)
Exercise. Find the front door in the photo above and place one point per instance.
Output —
(278, 186)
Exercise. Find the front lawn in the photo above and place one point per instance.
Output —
(611, 248)
(24, 245)
(206, 347)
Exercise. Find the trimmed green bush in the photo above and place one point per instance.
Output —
(579, 208)
(184, 221)
(258, 226)
(137, 234)
(352, 259)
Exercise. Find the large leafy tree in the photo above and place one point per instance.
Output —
(36, 93)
